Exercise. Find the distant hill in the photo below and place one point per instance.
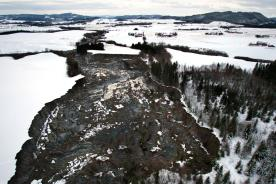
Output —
(47, 17)
(244, 18)
(273, 19)
(250, 19)
(126, 17)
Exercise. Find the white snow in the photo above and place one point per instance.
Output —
(26, 85)
(92, 132)
(102, 158)
(114, 49)
(233, 44)
(197, 60)
(183, 147)
(120, 106)
(159, 133)
(100, 174)
(166, 176)
(181, 163)
(37, 181)
(22, 27)
(109, 151)
(122, 147)
(155, 149)
(62, 181)
(34, 42)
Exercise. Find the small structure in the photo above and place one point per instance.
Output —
(214, 33)
(262, 36)
(136, 34)
(261, 44)
(174, 34)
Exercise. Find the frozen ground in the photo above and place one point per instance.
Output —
(34, 42)
(26, 85)
(113, 49)
(22, 27)
(232, 43)
(197, 60)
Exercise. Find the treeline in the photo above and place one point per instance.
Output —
(90, 41)
(223, 94)
(151, 48)
(252, 59)
(166, 72)
(115, 43)
(161, 66)
(237, 89)
(155, 48)
(83, 47)
(209, 52)
(219, 95)
(266, 72)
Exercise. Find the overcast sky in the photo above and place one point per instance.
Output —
(127, 7)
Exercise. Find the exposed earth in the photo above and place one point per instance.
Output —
(116, 125)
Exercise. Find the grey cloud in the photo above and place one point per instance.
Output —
(116, 7)
(57, 5)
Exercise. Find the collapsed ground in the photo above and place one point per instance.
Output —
(117, 125)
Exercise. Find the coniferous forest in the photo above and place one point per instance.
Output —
(238, 106)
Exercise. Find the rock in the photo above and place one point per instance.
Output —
(78, 140)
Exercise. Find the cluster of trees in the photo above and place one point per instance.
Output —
(156, 48)
(253, 59)
(82, 47)
(72, 66)
(209, 52)
(267, 72)
(161, 66)
(151, 48)
(167, 72)
(226, 91)
(91, 41)
(115, 43)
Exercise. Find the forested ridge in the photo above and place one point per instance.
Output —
(239, 106)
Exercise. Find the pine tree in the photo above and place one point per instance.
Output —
(226, 178)
(261, 152)
(207, 181)
(222, 126)
(199, 180)
(232, 128)
(239, 167)
(247, 181)
(184, 81)
(251, 167)
(212, 119)
(217, 124)
(247, 132)
(219, 175)
(254, 128)
(247, 147)
(249, 114)
(227, 149)
(238, 148)
(207, 101)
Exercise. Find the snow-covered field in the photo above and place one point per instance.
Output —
(22, 27)
(26, 85)
(232, 43)
(34, 42)
(197, 60)
(113, 49)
